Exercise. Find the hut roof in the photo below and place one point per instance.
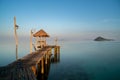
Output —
(41, 33)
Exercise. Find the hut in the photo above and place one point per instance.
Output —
(40, 38)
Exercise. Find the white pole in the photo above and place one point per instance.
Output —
(31, 34)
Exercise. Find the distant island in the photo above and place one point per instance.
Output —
(102, 39)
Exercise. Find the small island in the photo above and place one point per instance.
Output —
(102, 39)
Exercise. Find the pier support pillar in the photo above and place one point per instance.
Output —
(49, 53)
(34, 69)
(58, 49)
(46, 58)
(42, 65)
(38, 67)
(55, 50)
(56, 53)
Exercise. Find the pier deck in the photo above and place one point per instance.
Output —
(21, 69)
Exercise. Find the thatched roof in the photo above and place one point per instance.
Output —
(41, 33)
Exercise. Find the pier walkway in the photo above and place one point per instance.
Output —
(21, 69)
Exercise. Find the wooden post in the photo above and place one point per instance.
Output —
(55, 54)
(31, 34)
(45, 42)
(38, 67)
(56, 41)
(58, 49)
(16, 38)
(42, 65)
(34, 69)
(46, 58)
(58, 57)
(50, 52)
(41, 42)
(36, 42)
(55, 50)
(15, 28)
(58, 53)
(16, 52)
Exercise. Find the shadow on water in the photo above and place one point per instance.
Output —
(54, 59)
(67, 73)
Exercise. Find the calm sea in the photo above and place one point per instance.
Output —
(84, 60)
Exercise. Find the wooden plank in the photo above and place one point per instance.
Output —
(21, 69)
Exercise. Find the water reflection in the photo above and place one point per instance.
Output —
(44, 76)
(55, 58)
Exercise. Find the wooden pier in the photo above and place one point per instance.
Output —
(26, 68)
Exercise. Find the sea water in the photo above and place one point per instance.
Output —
(88, 60)
(81, 60)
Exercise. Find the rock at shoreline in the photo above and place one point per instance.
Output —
(102, 39)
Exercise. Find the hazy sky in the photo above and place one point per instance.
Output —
(61, 18)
